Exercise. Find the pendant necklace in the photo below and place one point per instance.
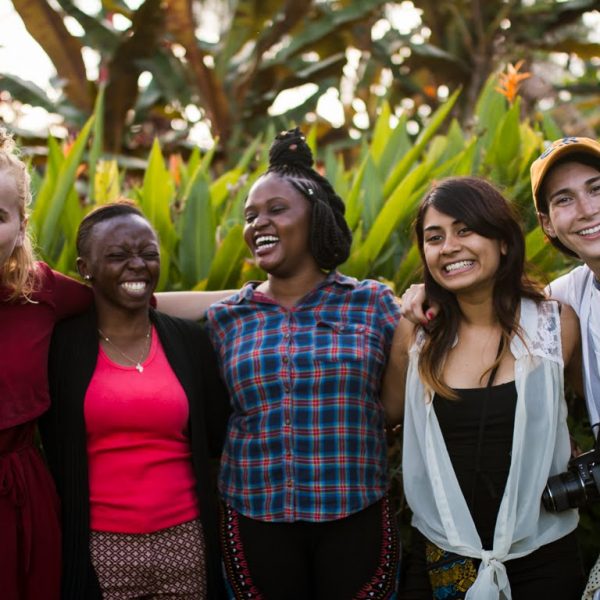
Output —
(137, 363)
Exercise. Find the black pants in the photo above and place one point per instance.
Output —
(352, 558)
(553, 572)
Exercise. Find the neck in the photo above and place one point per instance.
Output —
(478, 310)
(289, 290)
(123, 324)
(594, 265)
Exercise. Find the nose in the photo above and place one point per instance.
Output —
(136, 262)
(450, 245)
(259, 222)
(589, 205)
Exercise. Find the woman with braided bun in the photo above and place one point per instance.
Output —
(304, 473)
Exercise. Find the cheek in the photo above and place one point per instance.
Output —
(429, 254)
(247, 234)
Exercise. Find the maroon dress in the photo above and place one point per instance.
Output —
(29, 527)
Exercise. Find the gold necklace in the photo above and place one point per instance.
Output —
(137, 363)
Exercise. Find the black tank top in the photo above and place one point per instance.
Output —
(481, 462)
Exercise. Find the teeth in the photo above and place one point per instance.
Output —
(589, 231)
(458, 265)
(134, 286)
(266, 240)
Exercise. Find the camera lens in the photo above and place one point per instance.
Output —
(564, 491)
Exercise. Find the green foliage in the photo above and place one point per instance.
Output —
(198, 215)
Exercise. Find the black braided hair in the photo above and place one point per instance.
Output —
(330, 237)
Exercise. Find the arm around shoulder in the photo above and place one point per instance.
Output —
(189, 305)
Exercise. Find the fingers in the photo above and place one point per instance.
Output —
(414, 307)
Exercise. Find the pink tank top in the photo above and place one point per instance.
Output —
(140, 467)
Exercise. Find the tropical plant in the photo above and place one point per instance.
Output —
(199, 215)
(225, 62)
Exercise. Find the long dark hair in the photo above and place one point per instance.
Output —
(480, 206)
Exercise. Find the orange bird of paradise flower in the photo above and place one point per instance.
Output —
(510, 81)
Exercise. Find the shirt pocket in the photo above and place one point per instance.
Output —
(337, 341)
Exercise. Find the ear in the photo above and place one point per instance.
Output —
(546, 224)
(82, 268)
(503, 248)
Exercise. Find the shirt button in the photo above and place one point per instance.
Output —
(286, 336)
(285, 359)
(286, 388)
(288, 422)
(290, 483)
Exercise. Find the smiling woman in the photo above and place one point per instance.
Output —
(137, 409)
(485, 419)
(304, 471)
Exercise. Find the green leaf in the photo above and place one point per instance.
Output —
(505, 146)
(405, 164)
(155, 200)
(106, 182)
(97, 137)
(64, 184)
(197, 231)
(227, 264)
(489, 110)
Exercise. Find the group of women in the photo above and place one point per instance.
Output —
(290, 385)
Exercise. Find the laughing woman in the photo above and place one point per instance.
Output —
(485, 416)
(137, 408)
(304, 472)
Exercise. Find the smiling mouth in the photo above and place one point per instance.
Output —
(265, 242)
(134, 287)
(458, 266)
(589, 231)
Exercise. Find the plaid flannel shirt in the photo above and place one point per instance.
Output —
(306, 438)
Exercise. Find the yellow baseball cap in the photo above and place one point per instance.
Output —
(558, 149)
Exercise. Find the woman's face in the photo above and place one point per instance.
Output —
(277, 229)
(123, 261)
(573, 196)
(459, 259)
(12, 226)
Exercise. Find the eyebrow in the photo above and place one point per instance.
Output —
(436, 227)
(587, 182)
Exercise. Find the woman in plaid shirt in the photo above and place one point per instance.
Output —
(304, 471)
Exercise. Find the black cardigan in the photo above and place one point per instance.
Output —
(73, 355)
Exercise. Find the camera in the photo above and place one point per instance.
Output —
(578, 486)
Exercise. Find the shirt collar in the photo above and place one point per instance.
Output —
(246, 294)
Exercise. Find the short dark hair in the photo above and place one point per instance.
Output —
(330, 237)
(103, 213)
(584, 158)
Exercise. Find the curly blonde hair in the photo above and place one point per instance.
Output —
(18, 272)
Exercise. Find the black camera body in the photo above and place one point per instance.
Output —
(578, 486)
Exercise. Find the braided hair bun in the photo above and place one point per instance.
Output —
(330, 237)
(290, 150)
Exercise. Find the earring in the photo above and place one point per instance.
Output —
(87, 277)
